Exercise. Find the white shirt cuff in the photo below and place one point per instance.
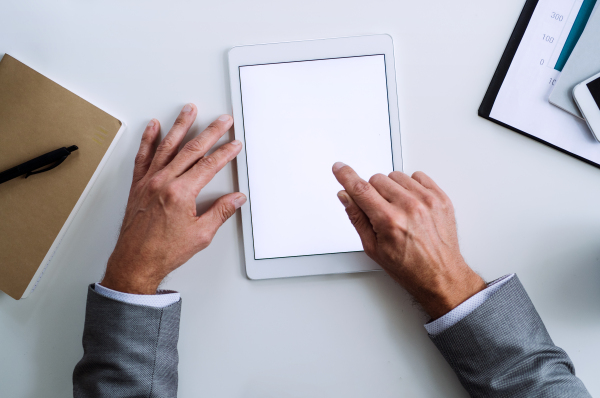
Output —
(162, 298)
(460, 312)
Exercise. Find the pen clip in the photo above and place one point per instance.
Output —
(58, 162)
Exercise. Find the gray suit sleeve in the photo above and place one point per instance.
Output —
(502, 349)
(128, 350)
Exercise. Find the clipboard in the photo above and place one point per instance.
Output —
(517, 97)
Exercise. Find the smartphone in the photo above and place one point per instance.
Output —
(587, 98)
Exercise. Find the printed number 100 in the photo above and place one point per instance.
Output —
(549, 39)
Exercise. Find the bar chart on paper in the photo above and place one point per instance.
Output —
(563, 29)
(522, 100)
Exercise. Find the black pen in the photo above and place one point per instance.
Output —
(51, 159)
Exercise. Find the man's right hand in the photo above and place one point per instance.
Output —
(407, 225)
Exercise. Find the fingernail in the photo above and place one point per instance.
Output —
(236, 142)
(187, 108)
(151, 123)
(342, 197)
(224, 118)
(239, 201)
(338, 165)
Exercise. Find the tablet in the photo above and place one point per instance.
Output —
(298, 108)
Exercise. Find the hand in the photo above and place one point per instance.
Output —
(407, 226)
(161, 229)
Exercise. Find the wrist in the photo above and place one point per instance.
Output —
(123, 280)
(450, 292)
(128, 286)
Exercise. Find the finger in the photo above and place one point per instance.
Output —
(389, 189)
(413, 186)
(426, 181)
(205, 169)
(167, 149)
(432, 187)
(360, 221)
(430, 197)
(146, 151)
(199, 146)
(220, 211)
(363, 193)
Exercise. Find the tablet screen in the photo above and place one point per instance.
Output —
(299, 119)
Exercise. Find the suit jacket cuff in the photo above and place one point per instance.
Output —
(162, 298)
(464, 309)
(129, 350)
(502, 349)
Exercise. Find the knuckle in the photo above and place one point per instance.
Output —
(431, 201)
(205, 238)
(438, 202)
(146, 138)
(419, 209)
(224, 212)
(172, 193)
(353, 214)
(212, 128)
(446, 204)
(154, 184)
(180, 122)
(166, 144)
(140, 158)
(196, 145)
(361, 187)
(208, 162)
(411, 204)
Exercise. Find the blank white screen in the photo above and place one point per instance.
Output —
(299, 119)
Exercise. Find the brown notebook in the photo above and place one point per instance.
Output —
(38, 116)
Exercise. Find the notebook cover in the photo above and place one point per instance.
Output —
(583, 63)
(36, 117)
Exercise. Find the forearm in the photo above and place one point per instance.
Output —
(130, 336)
(129, 350)
(502, 349)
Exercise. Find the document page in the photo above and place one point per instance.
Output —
(522, 101)
(299, 119)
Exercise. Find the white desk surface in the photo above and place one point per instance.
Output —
(521, 206)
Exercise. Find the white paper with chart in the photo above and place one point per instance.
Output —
(522, 100)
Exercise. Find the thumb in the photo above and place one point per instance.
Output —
(361, 222)
(220, 211)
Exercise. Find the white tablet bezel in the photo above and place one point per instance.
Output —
(587, 105)
(304, 51)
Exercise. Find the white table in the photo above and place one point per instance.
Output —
(521, 206)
